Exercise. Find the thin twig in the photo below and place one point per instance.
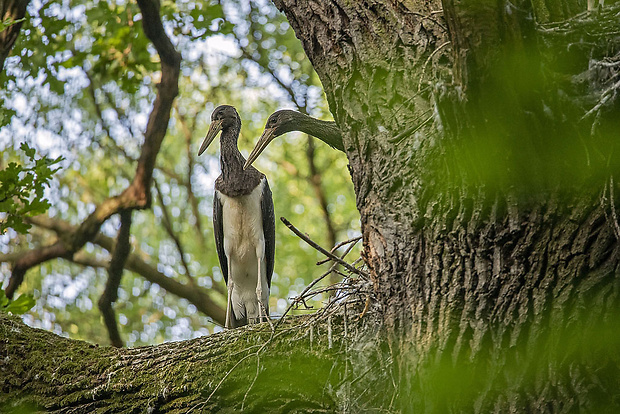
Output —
(613, 207)
(409, 131)
(322, 250)
(605, 96)
(428, 60)
(167, 221)
(335, 286)
(314, 282)
(424, 16)
(343, 243)
(354, 240)
(302, 296)
(366, 306)
(188, 132)
(253, 381)
(219, 384)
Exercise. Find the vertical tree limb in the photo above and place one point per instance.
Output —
(317, 185)
(188, 133)
(115, 272)
(168, 89)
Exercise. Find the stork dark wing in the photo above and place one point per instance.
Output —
(269, 229)
(218, 227)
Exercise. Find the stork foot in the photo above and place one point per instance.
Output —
(262, 313)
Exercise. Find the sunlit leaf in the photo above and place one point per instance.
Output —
(20, 305)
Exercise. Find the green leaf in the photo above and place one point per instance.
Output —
(22, 189)
(3, 299)
(27, 150)
(9, 22)
(20, 305)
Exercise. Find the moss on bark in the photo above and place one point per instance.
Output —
(248, 369)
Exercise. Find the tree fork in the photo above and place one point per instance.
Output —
(138, 194)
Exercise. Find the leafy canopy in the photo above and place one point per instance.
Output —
(22, 189)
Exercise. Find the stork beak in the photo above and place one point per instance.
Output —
(264, 140)
(214, 128)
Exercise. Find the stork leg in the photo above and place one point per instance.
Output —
(262, 289)
(230, 316)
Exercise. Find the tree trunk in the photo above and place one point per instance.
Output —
(491, 239)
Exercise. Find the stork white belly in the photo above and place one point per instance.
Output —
(243, 239)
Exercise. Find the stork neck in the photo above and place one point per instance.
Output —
(231, 159)
(326, 131)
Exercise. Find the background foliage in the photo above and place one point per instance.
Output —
(21, 189)
(79, 85)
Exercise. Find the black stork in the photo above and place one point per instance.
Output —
(244, 224)
(285, 120)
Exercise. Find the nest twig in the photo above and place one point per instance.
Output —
(591, 42)
(355, 290)
(352, 290)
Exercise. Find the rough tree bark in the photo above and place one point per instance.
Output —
(471, 271)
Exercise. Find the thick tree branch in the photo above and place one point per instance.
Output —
(176, 377)
(30, 259)
(168, 89)
(137, 195)
(115, 272)
(198, 296)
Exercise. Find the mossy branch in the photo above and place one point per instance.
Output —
(41, 371)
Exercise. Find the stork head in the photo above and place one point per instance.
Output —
(280, 122)
(223, 117)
